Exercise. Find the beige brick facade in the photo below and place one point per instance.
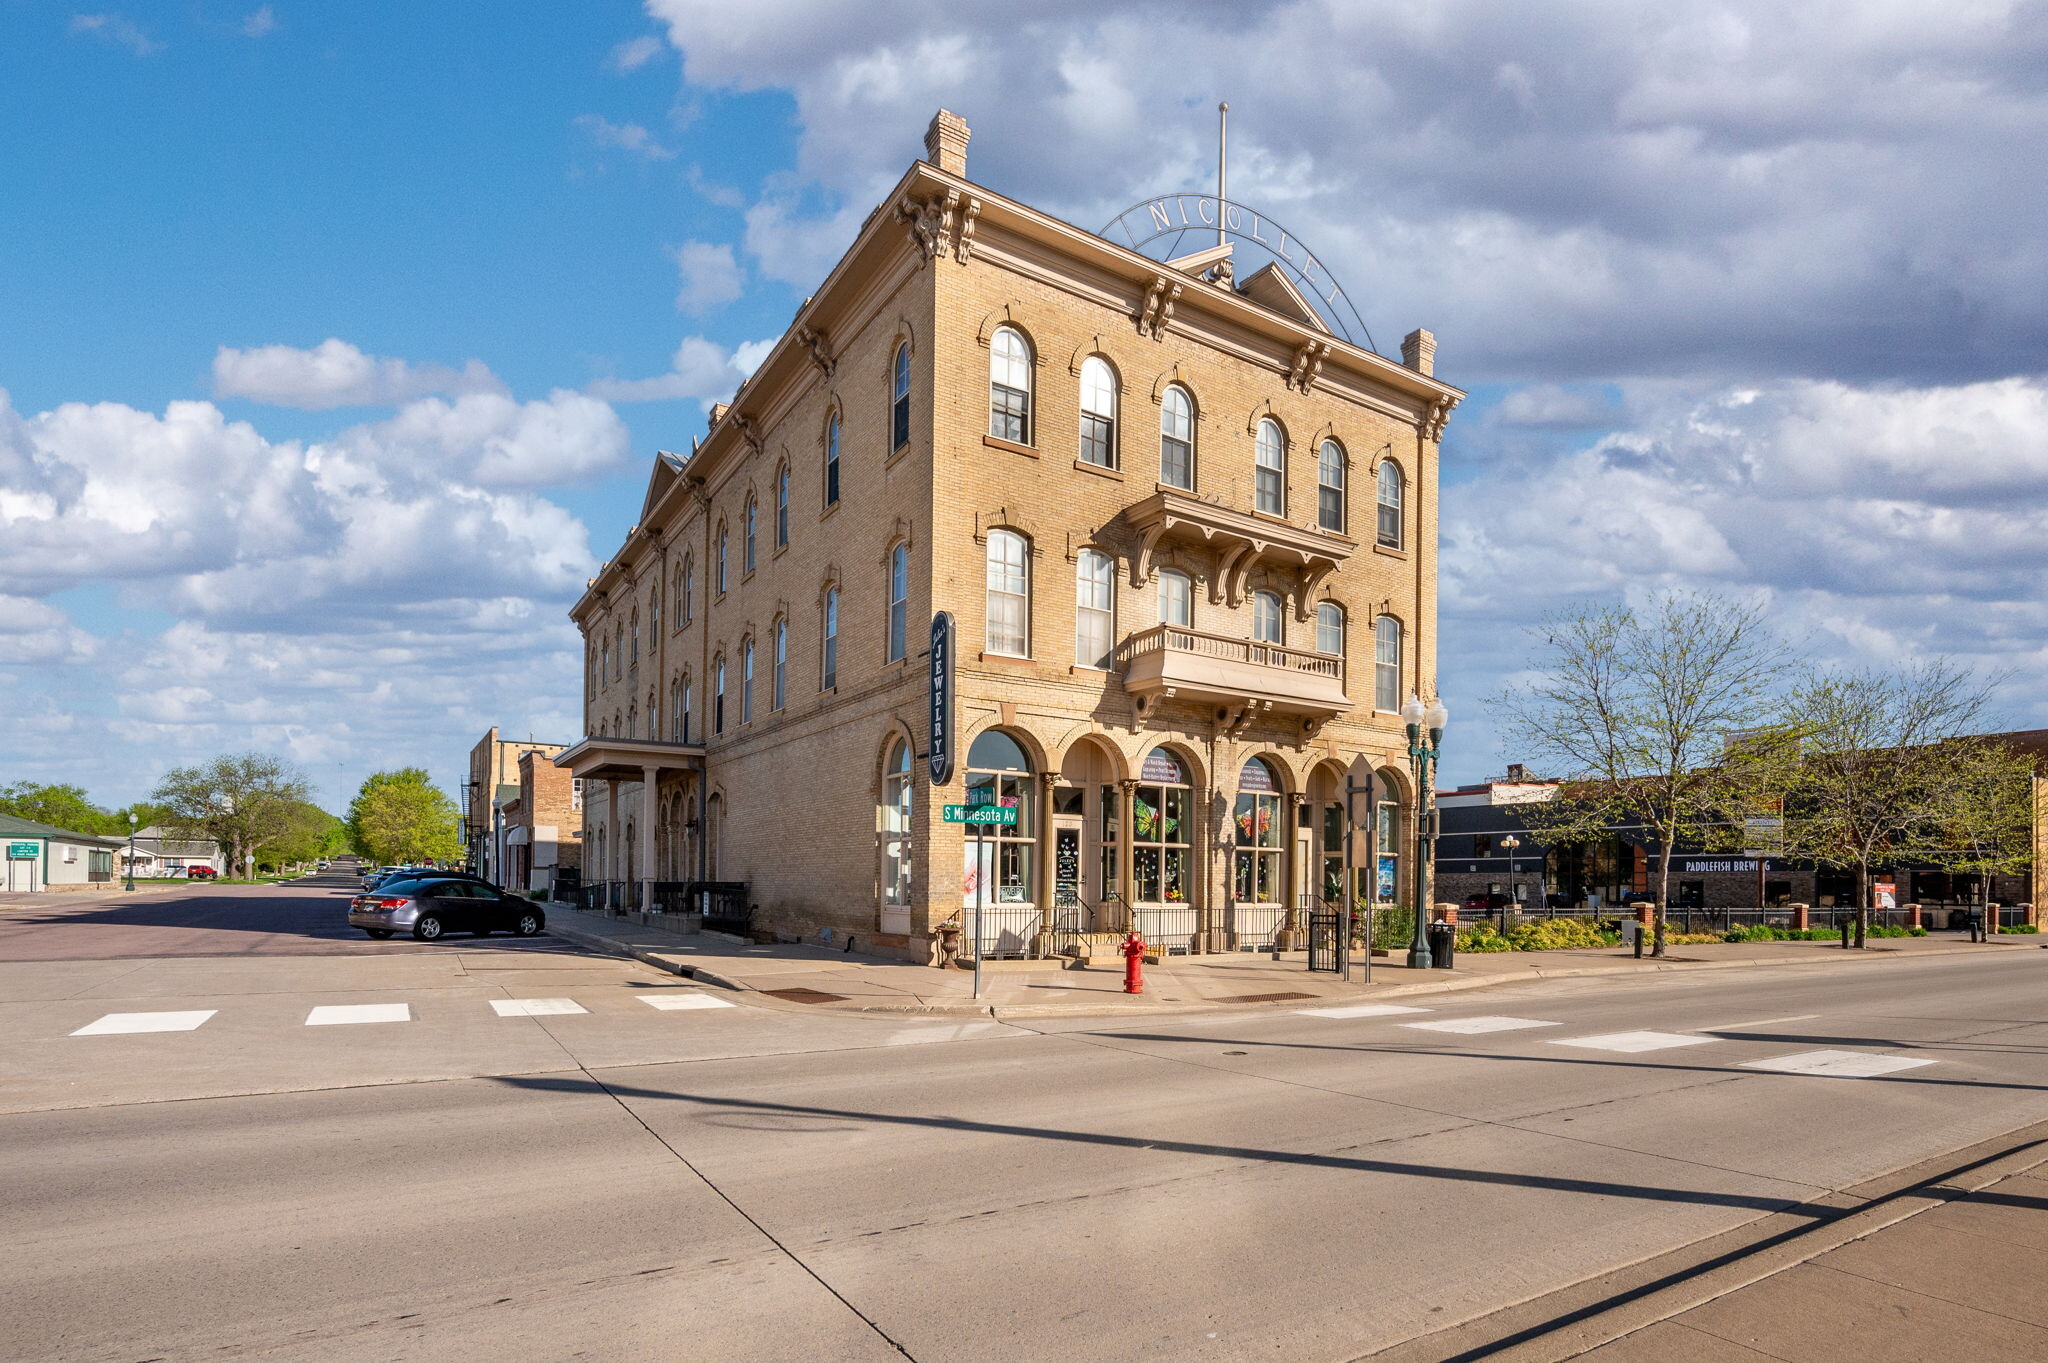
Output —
(791, 798)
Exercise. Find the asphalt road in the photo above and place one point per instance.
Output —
(632, 1171)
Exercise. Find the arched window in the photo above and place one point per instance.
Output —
(828, 658)
(1390, 504)
(1330, 629)
(1386, 664)
(633, 721)
(781, 692)
(718, 696)
(781, 506)
(1259, 830)
(899, 400)
(1162, 828)
(604, 663)
(1098, 413)
(683, 715)
(686, 591)
(1094, 608)
(1266, 618)
(1271, 473)
(1009, 594)
(832, 461)
(1177, 438)
(999, 773)
(654, 616)
(633, 662)
(1330, 486)
(899, 602)
(1009, 386)
(894, 824)
(721, 561)
(1176, 598)
(747, 681)
(751, 516)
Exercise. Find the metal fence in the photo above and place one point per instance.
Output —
(1008, 931)
(1254, 926)
(1168, 929)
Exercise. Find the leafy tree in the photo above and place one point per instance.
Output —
(243, 801)
(61, 806)
(1631, 710)
(403, 817)
(312, 834)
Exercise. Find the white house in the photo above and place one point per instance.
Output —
(40, 857)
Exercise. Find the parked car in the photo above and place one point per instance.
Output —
(200, 873)
(1485, 903)
(430, 906)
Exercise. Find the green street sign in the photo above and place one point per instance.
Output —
(23, 851)
(1005, 815)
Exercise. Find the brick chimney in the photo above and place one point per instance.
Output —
(717, 413)
(1517, 772)
(945, 142)
(1418, 351)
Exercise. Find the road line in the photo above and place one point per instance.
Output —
(1359, 1010)
(533, 1008)
(342, 1014)
(673, 1002)
(1759, 1022)
(1836, 1064)
(1633, 1043)
(1472, 1026)
(117, 1024)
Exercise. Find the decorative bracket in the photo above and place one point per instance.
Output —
(1438, 417)
(1157, 309)
(1308, 365)
(820, 347)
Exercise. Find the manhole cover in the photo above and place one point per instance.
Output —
(804, 995)
(1264, 998)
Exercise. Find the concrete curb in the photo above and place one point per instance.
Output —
(676, 964)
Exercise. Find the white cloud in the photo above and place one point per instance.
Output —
(37, 632)
(117, 29)
(493, 441)
(337, 374)
(629, 137)
(711, 277)
(634, 53)
(259, 21)
(699, 369)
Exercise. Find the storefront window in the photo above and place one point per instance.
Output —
(1388, 883)
(1110, 838)
(1161, 828)
(1259, 828)
(1003, 856)
(895, 821)
(1333, 853)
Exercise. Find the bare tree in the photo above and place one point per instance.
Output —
(1631, 712)
(243, 801)
(1885, 771)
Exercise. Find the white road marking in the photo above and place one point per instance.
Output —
(672, 1002)
(1759, 1022)
(1630, 1043)
(533, 1008)
(338, 1014)
(1837, 1064)
(115, 1024)
(1472, 1025)
(1359, 1010)
(943, 1031)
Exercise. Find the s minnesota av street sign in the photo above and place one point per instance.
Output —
(991, 814)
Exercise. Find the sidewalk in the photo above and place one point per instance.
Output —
(816, 976)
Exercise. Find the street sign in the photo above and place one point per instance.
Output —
(23, 851)
(939, 741)
(1763, 836)
(1005, 815)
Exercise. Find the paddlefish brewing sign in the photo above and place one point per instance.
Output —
(941, 733)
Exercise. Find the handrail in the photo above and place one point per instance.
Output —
(1180, 639)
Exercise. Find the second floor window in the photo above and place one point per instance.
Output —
(782, 506)
(718, 697)
(721, 560)
(832, 461)
(1176, 598)
(1386, 664)
(1390, 504)
(1330, 486)
(1009, 594)
(899, 601)
(747, 682)
(1177, 439)
(828, 673)
(1009, 387)
(781, 663)
(1271, 473)
(899, 400)
(1094, 608)
(686, 592)
(683, 718)
(752, 516)
(1330, 628)
(1098, 413)
(1266, 627)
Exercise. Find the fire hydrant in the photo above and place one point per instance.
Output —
(1134, 964)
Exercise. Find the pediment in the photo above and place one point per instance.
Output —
(1270, 286)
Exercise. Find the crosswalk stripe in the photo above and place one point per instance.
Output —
(533, 1008)
(339, 1014)
(672, 1002)
(1359, 1010)
(1470, 1026)
(1631, 1043)
(116, 1024)
(1837, 1064)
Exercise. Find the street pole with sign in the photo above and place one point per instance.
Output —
(1511, 842)
(979, 817)
(1422, 755)
(131, 851)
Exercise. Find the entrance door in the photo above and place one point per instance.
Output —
(1067, 870)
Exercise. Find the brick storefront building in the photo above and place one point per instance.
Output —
(1187, 533)
(543, 826)
(493, 782)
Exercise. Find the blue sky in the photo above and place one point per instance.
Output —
(334, 338)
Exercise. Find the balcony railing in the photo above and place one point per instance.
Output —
(1169, 660)
(1174, 638)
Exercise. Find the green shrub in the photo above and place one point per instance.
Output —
(1483, 938)
(2018, 928)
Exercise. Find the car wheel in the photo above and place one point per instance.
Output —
(530, 924)
(428, 928)
(379, 933)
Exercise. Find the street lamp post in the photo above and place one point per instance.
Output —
(1511, 842)
(1422, 761)
(131, 852)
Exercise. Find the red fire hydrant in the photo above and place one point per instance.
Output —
(1134, 964)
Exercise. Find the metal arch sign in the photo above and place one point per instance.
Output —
(939, 738)
(1171, 217)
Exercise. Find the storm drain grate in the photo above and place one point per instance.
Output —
(1264, 998)
(804, 995)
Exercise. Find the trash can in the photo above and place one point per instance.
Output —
(1443, 945)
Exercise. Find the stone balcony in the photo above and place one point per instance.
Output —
(1243, 676)
(1242, 540)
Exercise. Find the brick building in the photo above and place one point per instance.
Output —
(493, 781)
(543, 826)
(1188, 536)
